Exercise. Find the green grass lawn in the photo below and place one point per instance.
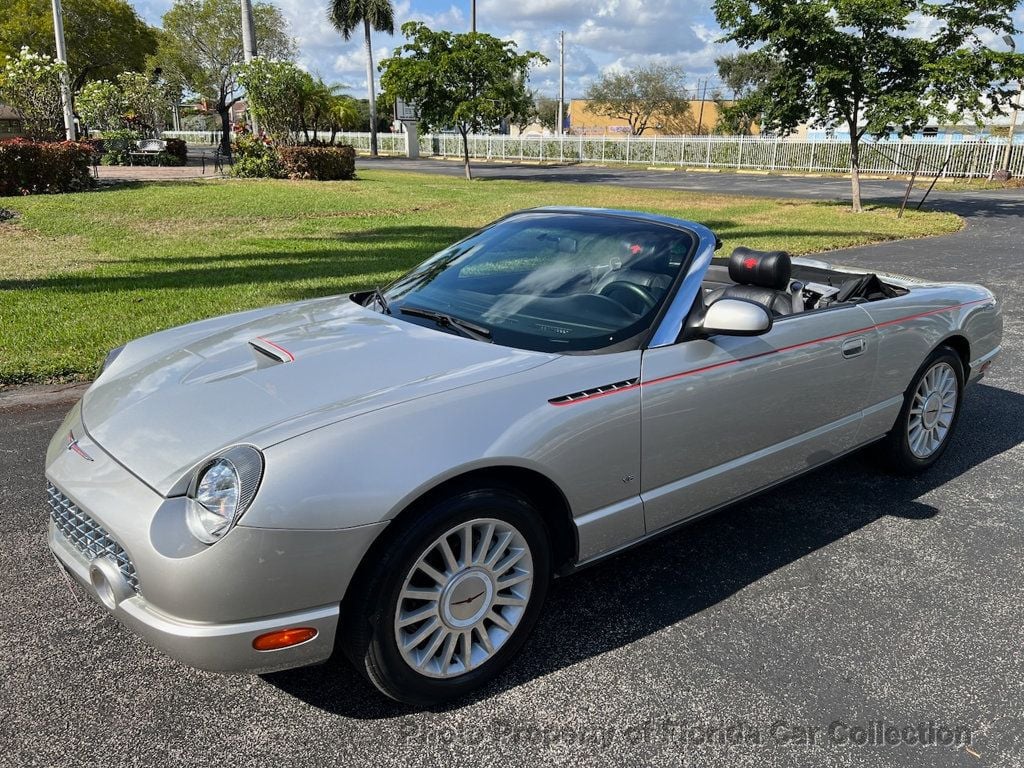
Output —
(82, 273)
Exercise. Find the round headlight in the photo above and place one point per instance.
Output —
(222, 491)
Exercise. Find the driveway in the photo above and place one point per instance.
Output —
(776, 633)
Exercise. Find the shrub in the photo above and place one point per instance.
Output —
(255, 159)
(36, 167)
(177, 149)
(267, 167)
(117, 145)
(318, 163)
(96, 144)
(166, 158)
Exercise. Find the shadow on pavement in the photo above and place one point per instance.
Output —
(661, 583)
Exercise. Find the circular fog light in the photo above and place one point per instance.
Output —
(108, 582)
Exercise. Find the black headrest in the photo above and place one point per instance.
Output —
(765, 269)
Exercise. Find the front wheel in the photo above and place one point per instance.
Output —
(453, 598)
(931, 408)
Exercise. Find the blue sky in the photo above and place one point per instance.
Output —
(600, 34)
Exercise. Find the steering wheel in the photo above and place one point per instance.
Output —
(633, 291)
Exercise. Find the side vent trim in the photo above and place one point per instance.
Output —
(590, 394)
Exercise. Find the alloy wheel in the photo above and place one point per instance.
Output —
(932, 410)
(463, 598)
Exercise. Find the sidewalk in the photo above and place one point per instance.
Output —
(200, 166)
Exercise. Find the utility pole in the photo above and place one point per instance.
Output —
(561, 82)
(65, 79)
(249, 52)
(472, 15)
(1013, 125)
(703, 98)
(1013, 115)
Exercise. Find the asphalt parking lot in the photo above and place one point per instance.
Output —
(773, 634)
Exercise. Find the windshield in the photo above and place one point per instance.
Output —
(547, 281)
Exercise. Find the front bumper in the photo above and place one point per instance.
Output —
(202, 605)
(217, 647)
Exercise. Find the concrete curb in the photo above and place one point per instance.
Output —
(39, 395)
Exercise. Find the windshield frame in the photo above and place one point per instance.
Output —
(638, 340)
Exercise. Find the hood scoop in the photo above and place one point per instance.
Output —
(268, 354)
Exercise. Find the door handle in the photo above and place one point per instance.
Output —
(854, 347)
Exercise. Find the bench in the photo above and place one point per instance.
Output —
(146, 148)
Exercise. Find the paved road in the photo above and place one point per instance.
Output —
(847, 596)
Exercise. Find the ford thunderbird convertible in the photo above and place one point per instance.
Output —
(396, 474)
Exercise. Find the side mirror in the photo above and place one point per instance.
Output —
(736, 317)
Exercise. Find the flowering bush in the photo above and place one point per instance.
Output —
(318, 163)
(35, 167)
(30, 85)
(133, 101)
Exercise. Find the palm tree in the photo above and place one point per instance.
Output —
(379, 15)
(343, 115)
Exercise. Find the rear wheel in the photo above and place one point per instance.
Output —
(931, 408)
(453, 599)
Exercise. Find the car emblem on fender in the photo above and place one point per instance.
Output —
(76, 448)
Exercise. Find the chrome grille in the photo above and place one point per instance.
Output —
(86, 535)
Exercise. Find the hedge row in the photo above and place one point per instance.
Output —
(318, 163)
(257, 159)
(37, 167)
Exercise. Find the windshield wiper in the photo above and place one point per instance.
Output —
(465, 328)
(378, 296)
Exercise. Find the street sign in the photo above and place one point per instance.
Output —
(406, 112)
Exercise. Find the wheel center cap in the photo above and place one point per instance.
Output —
(466, 598)
(930, 412)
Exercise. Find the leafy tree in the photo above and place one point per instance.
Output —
(747, 76)
(640, 96)
(201, 47)
(853, 62)
(546, 112)
(99, 105)
(104, 37)
(133, 102)
(289, 102)
(470, 81)
(30, 85)
(274, 91)
(379, 15)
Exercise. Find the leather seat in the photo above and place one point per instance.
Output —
(643, 264)
(761, 276)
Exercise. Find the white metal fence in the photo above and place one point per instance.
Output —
(968, 159)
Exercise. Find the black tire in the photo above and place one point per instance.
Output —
(370, 640)
(897, 453)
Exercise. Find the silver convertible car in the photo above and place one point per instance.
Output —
(398, 473)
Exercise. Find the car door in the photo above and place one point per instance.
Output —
(727, 415)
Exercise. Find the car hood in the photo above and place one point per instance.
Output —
(173, 399)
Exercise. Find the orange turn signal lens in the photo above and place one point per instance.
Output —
(283, 638)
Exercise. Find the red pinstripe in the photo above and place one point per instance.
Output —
(278, 347)
(790, 348)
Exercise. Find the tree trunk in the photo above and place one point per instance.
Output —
(372, 88)
(855, 170)
(465, 154)
(225, 126)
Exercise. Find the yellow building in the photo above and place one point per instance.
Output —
(702, 119)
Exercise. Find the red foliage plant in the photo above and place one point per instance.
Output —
(30, 167)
